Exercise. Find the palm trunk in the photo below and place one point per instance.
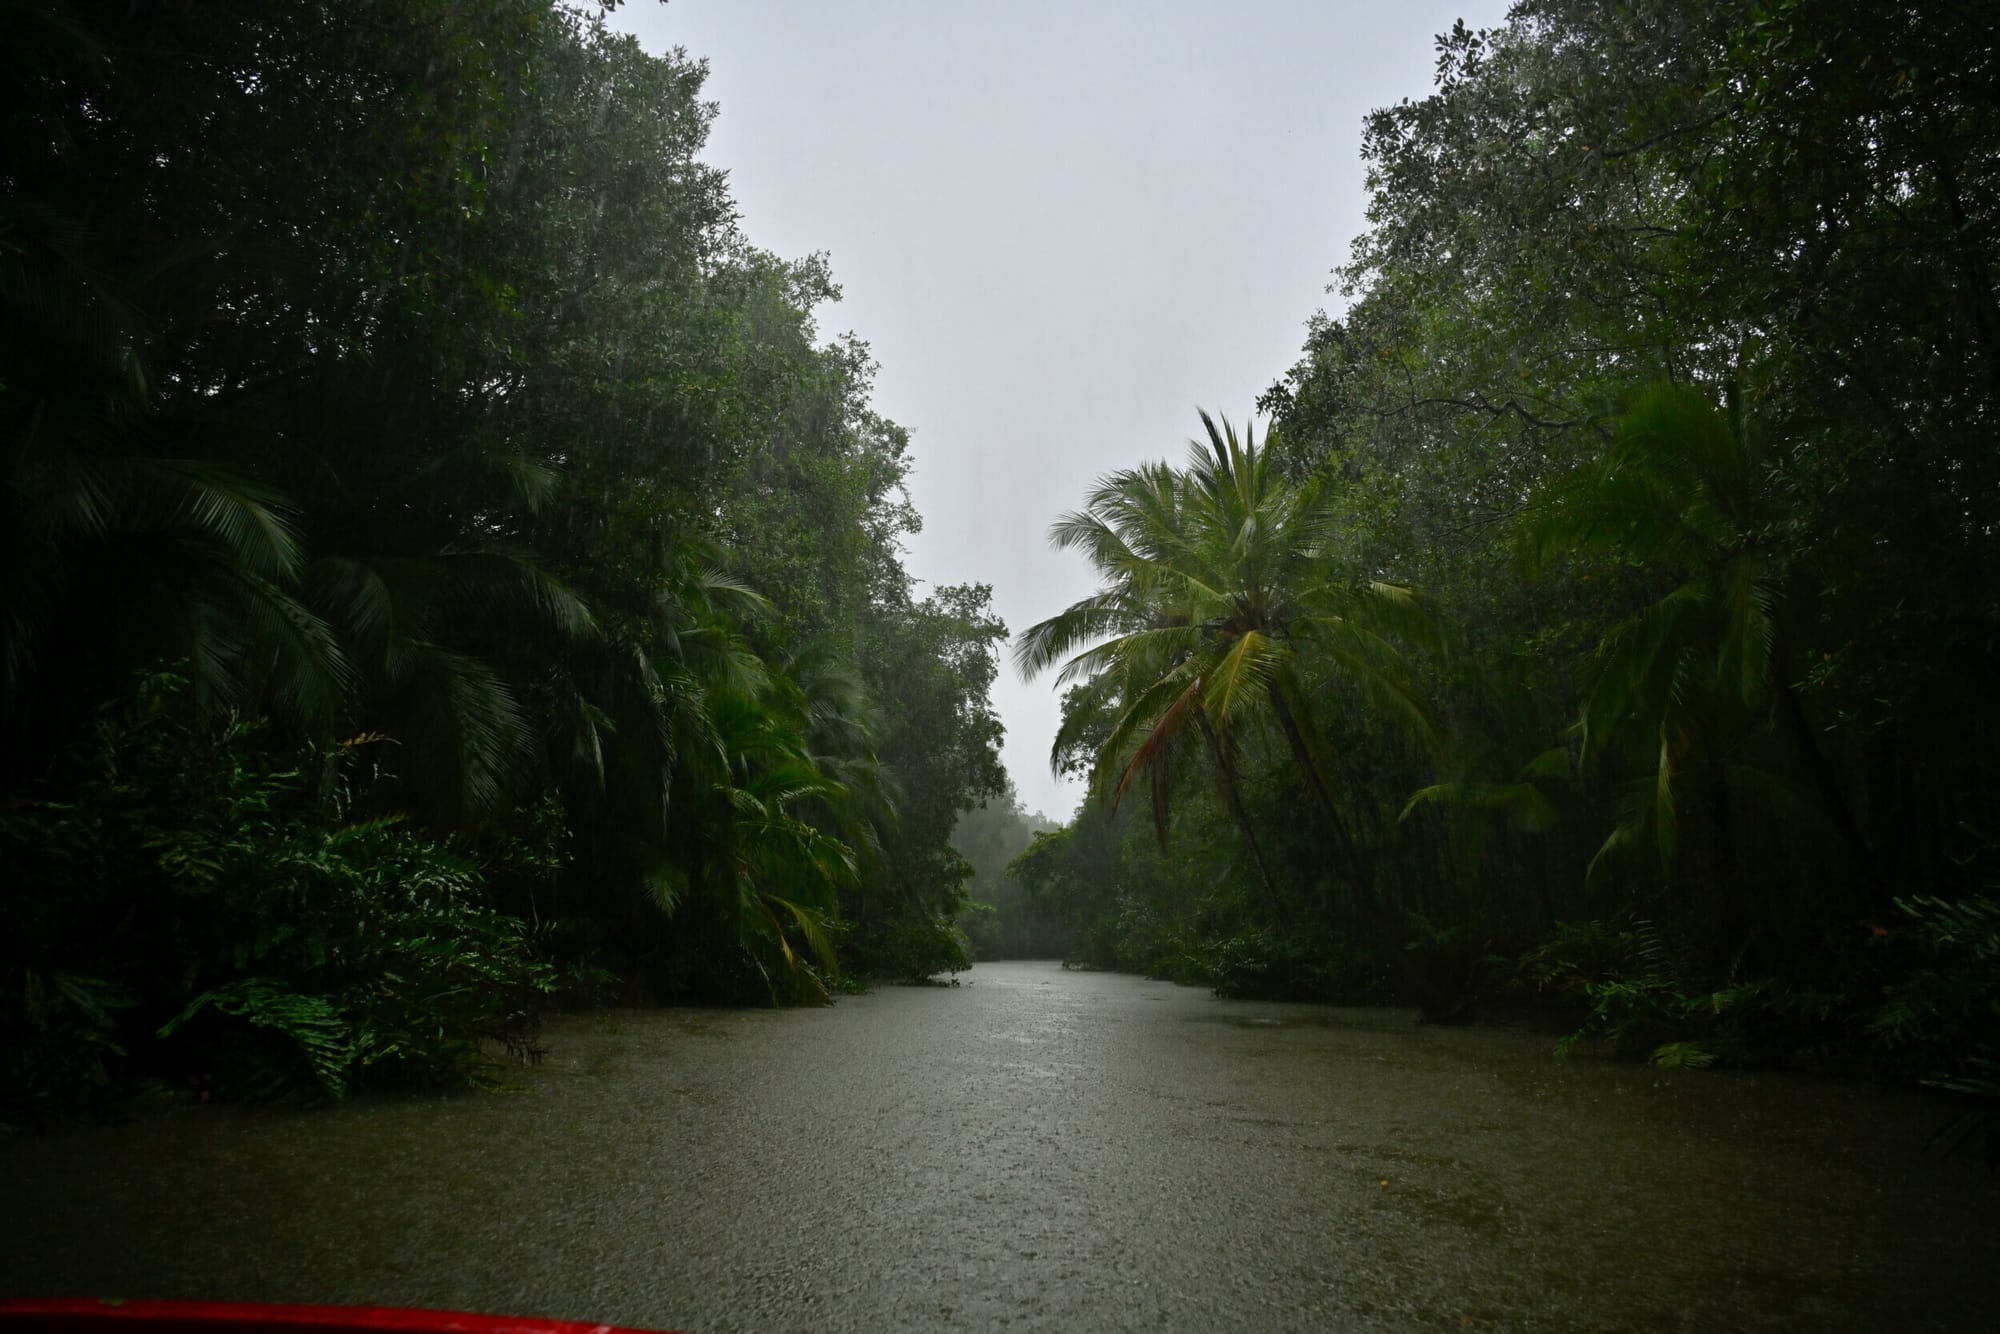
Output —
(1232, 797)
(1824, 779)
(1350, 855)
(1435, 1003)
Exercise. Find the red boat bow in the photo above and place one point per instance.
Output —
(88, 1314)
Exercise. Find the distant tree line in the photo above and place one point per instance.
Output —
(1000, 920)
(445, 566)
(1609, 612)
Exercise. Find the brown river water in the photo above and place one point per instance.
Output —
(1041, 1149)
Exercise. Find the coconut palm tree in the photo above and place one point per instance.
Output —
(1682, 685)
(1218, 585)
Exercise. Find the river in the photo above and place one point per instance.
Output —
(1043, 1149)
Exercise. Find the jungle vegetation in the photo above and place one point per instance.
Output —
(447, 570)
(1606, 614)
(1000, 919)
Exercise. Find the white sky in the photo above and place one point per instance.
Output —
(1060, 227)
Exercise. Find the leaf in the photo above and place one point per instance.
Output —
(1682, 1056)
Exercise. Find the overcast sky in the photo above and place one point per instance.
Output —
(1060, 226)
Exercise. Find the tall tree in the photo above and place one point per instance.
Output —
(1686, 683)
(1217, 576)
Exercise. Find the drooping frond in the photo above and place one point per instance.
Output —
(508, 580)
(1160, 735)
(1237, 682)
(307, 670)
(1110, 611)
(465, 736)
(1159, 644)
(250, 521)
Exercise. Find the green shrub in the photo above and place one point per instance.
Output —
(178, 894)
(922, 944)
(1260, 963)
(61, 1046)
(385, 961)
(1642, 998)
(1941, 1018)
(981, 924)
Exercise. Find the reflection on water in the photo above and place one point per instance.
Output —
(1042, 1149)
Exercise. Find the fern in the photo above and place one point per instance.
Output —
(1682, 1056)
(1971, 924)
(313, 1024)
(1943, 1017)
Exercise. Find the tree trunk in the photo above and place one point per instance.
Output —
(1436, 1003)
(1232, 797)
(1824, 779)
(1350, 855)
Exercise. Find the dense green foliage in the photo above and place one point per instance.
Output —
(1665, 384)
(350, 948)
(446, 566)
(399, 379)
(1000, 921)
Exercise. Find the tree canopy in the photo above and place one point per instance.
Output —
(395, 415)
(1663, 379)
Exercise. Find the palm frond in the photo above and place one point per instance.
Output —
(509, 579)
(531, 481)
(309, 671)
(252, 522)
(1238, 680)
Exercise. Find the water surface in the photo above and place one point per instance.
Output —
(1041, 1149)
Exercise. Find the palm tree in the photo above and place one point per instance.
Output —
(1218, 581)
(1681, 684)
(447, 646)
(126, 543)
(708, 779)
(744, 848)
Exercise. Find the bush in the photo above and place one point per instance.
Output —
(919, 945)
(176, 902)
(61, 1045)
(387, 962)
(1941, 1019)
(981, 924)
(1264, 964)
(1642, 998)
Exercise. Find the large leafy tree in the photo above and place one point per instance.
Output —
(930, 664)
(1771, 619)
(402, 379)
